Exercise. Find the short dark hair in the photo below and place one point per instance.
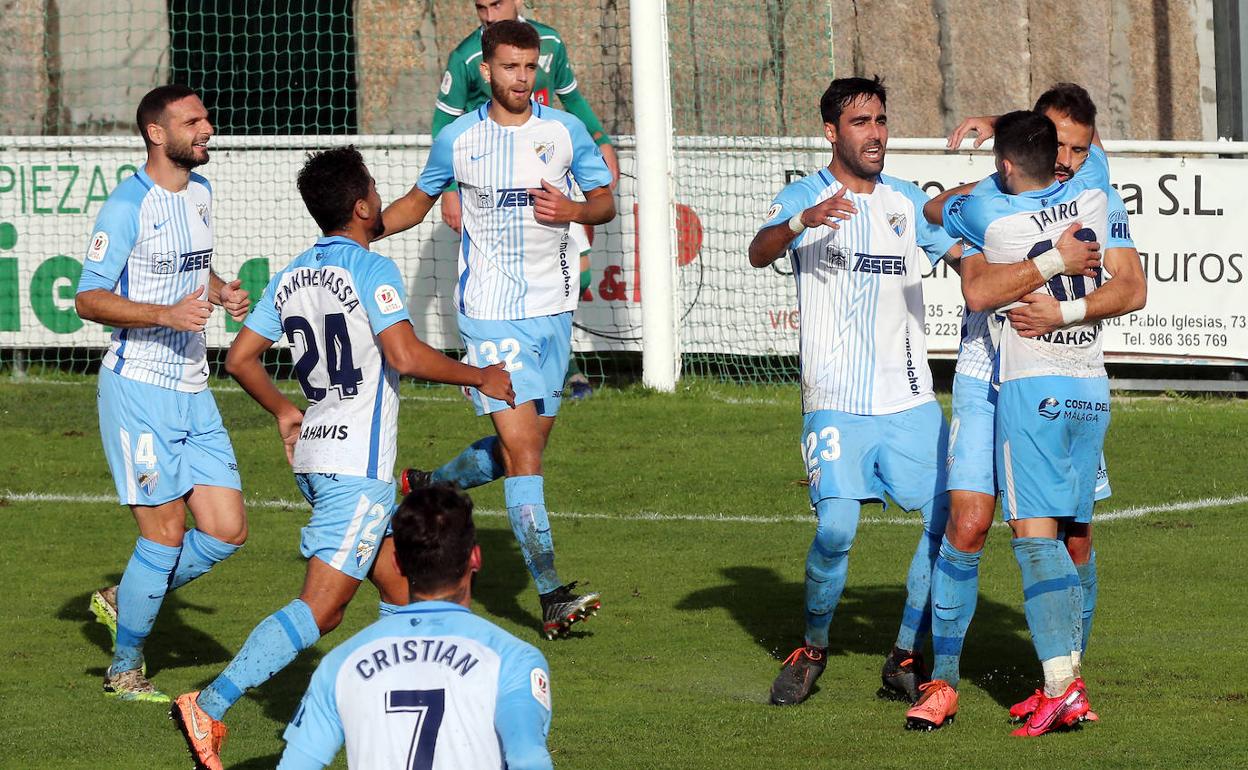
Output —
(331, 181)
(843, 92)
(1029, 141)
(521, 34)
(153, 104)
(1069, 99)
(434, 536)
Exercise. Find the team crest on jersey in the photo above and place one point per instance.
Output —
(544, 60)
(164, 264)
(545, 151)
(202, 208)
(897, 221)
(540, 684)
(446, 82)
(99, 247)
(485, 197)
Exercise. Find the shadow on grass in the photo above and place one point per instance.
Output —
(173, 643)
(503, 587)
(998, 656)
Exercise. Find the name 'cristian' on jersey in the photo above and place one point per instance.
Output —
(416, 651)
(333, 281)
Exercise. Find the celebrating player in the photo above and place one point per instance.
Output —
(148, 274)
(432, 685)
(514, 160)
(342, 309)
(1053, 407)
(972, 482)
(871, 423)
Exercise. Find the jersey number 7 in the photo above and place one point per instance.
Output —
(429, 706)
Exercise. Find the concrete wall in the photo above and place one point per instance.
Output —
(746, 67)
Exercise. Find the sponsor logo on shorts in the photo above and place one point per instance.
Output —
(1049, 408)
(1073, 409)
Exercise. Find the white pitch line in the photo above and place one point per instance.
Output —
(1122, 514)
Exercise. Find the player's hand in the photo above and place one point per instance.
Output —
(983, 126)
(1034, 315)
(613, 163)
(552, 207)
(190, 314)
(1080, 257)
(828, 211)
(288, 426)
(451, 211)
(496, 383)
(235, 300)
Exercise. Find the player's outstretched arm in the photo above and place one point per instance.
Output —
(1124, 292)
(409, 355)
(406, 212)
(231, 296)
(772, 241)
(189, 314)
(243, 362)
(934, 209)
(987, 286)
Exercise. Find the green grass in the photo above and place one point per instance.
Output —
(674, 672)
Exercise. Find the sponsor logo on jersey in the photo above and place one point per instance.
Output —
(545, 150)
(314, 432)
(388, 299)
(513, 197)
(485, 197)
(1049, 408)
(771, 212)
(98, 247)
(196, 260)
(565, 270)
(1118, 226)
(447, 80)
(897, 221)
(836, 257)
(540, 684)
(1072, 336)
(544, 60)
(165, 263)
(879, 264)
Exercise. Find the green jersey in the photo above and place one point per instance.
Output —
(464, 89)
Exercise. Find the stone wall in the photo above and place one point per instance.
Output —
(739, 67)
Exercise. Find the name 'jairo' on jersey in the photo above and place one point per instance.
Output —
(1011, 228)
(331, 302)
(510, 265)
(860, 296)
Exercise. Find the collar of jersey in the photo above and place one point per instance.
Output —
(1045, 193)
(143, 178)
(433, 605)
(535, 113)
(329, 240)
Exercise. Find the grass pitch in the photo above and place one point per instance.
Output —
(685, 512)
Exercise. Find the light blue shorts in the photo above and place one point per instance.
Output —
(350, 516)
(862, 457)
(1050, 433)
(972, 440)
(535, 351)
(162, 442)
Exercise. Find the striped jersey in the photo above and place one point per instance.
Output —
(860, 296)
(977, 352)
(431, 686)
(1011, 228)
(154, 246)
(331, 302)
(510, 265)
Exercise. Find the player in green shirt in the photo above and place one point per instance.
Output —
(463, 88)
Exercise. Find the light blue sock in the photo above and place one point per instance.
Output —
(474, 466)
(526, 510)
(271, 647)
(139, 596)
(1087, 581)
(955, 591)
(827, 564)
(1051, 595)
(916, 618)
(387, 609)
(200, 551)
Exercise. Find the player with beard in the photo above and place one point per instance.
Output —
(514, 160)
(148, 274)
(342, 309)
(972, 481)
(871, 424)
